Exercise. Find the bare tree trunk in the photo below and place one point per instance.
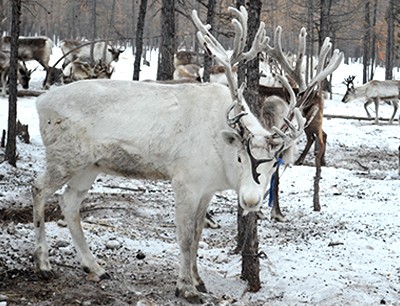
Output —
(11, 156)
(133, 28)
(210, 21)
(3, 19)
(390, 41)
(324, 21)
(310, 37)
(166, 56)
(366, 40)
(373, 42)
(139, 39)
(324, 26)
(93, 32)
(111, 26)
(247, 225)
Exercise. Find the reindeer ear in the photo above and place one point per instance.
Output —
(231, 138)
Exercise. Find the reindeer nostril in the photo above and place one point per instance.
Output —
(251, 201)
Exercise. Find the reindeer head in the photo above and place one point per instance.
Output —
(115, 52)
(350, 92)
(257, 150)
(24, 74)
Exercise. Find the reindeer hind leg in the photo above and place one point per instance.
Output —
(310, 141)
(395, 104)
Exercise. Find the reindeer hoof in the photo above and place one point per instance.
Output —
(105, 276)
(278, 218)
(46, 274)
(201, 288)
(195, 297)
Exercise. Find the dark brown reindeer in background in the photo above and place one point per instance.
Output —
(310, 97)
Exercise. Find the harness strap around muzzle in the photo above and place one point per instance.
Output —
(278, 162)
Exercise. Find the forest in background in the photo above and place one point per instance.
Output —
(349, 23)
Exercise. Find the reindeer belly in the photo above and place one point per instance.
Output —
(117, 160)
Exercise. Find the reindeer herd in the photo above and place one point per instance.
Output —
(203, 138)
(78, 63)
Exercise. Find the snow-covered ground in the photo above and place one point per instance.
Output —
(347, 254)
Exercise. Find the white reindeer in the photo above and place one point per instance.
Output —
(75, 49)
(189, 133)
(374, 91)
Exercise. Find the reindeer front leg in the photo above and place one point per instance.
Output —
(189, 213)
(199, 225)
(366, 104)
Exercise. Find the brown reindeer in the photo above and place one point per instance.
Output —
(185, 66)
(312, 101)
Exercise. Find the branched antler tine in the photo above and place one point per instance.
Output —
(206, 37)
(277, 53)
(335, 61)
(289, 88)
(326, 47)
(259, 42)
(300, 120)
(235, 119)
(240, 25)
(216, 50)
(295, 132)
(237, 42)
(313, 114)
(279, 56)
(290, 125)
(213, 46)
(279, 132)
(300, 55)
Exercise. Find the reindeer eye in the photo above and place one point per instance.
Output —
(239, 159)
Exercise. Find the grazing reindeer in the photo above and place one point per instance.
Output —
(76, 50)
(374, 91)
(23, 73)
(203, 138)
(311, 100)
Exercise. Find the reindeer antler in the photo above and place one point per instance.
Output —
(349, 80)
(325, 66)
(277, 54)
(216, 50)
